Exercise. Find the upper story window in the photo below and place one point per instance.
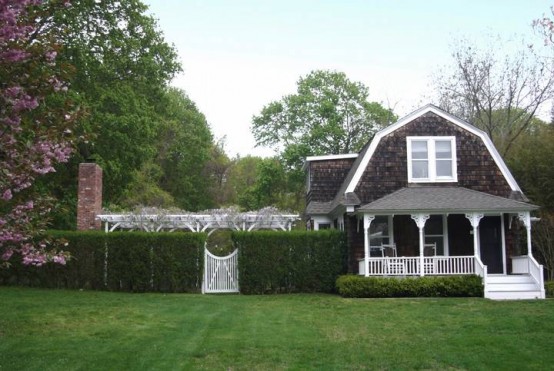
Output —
(432, 159)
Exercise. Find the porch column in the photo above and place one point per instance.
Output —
(474, 219)
(525, 218)
(420, 220)
(367, 222)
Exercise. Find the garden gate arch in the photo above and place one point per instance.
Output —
(220, 273)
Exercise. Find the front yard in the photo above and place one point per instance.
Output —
(66, 330)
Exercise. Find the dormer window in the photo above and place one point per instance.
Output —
(431, 159)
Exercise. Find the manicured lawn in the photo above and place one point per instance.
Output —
(66, 330)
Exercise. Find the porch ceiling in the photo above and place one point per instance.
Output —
(443, 199)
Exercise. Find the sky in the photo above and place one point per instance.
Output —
(240, 55)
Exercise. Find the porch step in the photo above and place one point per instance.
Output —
(513, 295)
(506, 279)
(509, 287)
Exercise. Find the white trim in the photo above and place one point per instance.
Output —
(456, 121)
(321, 219)
(331, 157)
(327, 158)
(446, 246)
(432, 160)
(503, 236)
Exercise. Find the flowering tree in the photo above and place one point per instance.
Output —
(36, 115)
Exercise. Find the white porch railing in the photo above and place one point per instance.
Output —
(526, 264)
(432, 265)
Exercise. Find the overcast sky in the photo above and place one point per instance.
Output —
(240, 55)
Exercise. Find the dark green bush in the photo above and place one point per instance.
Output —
(353, 286)
(549, 289)
(296, 261)
(120, 261)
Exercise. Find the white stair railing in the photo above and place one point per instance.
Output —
(481, 270)
(536, 271)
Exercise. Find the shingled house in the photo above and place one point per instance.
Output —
(429, 195)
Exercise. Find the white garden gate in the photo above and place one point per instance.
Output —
(221, 274)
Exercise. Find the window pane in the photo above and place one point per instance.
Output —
(444, 168)
(420, 169)
(443, 149)
(439, 241)
(434, 225)
(379, 231)
(419, 149)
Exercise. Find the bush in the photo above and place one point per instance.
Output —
(549, 289)
(296, 261)
(120, 261)
(353, 286)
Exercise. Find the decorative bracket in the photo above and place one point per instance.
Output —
(420, 219)
(474, 219)
(525, 218)
(367, 220)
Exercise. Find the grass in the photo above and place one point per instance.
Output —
(84, 330)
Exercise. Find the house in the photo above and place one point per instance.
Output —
(429, 195)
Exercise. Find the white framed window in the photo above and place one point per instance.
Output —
(431, 159)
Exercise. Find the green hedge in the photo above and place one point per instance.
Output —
(296, 261)
(549, 289)
(352, 286)
(119, 261)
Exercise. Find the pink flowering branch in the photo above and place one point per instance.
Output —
(35, 135)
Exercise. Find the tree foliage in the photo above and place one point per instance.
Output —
(329, 114)
(36, 122)
(499, 94)
(184, 151)
(150, 140)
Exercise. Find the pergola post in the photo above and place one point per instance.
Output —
(525, 218)
(420, 220)
(367, 223)
(474, 219)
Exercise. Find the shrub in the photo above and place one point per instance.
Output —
(549, 289)
(120, 261)
(296, 261)
(353, 286)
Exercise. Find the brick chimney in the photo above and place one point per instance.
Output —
(89, 196)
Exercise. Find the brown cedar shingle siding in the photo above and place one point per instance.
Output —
(326, 177)
(387, 170)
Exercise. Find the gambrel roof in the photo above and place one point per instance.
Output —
(366, 157)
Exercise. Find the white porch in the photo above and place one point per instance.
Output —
(467, 232)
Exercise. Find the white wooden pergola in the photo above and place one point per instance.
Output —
(207, 222)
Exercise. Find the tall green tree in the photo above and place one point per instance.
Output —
(123, 66)
(329, 114)
(184, 151)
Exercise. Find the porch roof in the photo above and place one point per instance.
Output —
(443, 199)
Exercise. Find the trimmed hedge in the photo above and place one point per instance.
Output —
(119, 261)
(352, 286)
(296, 261)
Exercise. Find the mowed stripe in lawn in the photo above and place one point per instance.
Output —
(52, 330)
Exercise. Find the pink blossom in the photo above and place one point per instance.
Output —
(51, 55)
(7, 195)
(7, 254)
(60, 259)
